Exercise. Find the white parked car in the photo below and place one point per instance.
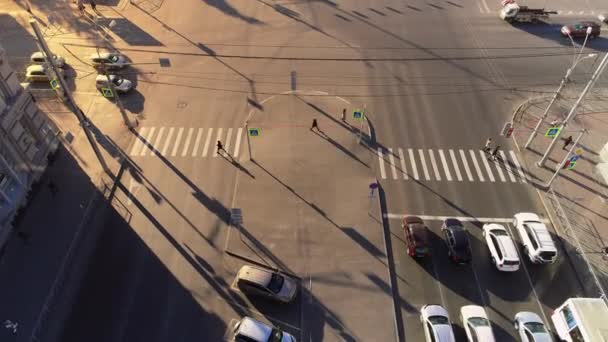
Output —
(476, 324)
(436, 324)
(121, 84)
(263, 282)
(39, 58)
(531, 328)
(251, 330)
(111, 60)
(501, 247)
(535, 237)
(39, 73)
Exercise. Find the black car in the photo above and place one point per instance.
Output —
(459, 250)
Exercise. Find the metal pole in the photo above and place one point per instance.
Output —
(75, 109)
(572, 112)
(568, 155)
(117, 100)
(248, 142)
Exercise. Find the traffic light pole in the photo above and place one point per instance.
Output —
(568, 156)
(68, 94)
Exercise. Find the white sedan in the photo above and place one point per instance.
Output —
(476, 323)
(531, 328)
(436, 323)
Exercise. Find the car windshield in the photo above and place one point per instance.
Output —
(479, 322)
(118, 81)
(547, 255)
(113, 59)
(276, 336)
(499, 232)
(535, 327)
(438, 320)
(276, 283)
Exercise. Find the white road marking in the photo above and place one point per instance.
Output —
(500, 173)
(178, 139)
(448, 175)
(455, 163)
(476, 164)
(410, 152)
(466, 165)
(518, 166)
(485, 6)
(156, 144)
(506, 164)
(381, 161)
(402, 159)
(197, 142)
(207, 141)
(423, 162)
(147, 143)
(218, 138)
(485, 163)
(168, 141)
(132, 184)
(392, 160)
(237, 146)
(138, 141)
(187, 142)
(392, 216)
(434, 164)
(228, 138)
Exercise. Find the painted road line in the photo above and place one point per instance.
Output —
(500, 173)
(147, 142)
(456, 167)
(159, 138)
(463, 157)
(485, 163)
(505, 162)
(392, 160)
(522, 174)
(444, 162)
(167, 141)
(178, 139)
(228, 138)
(197, 142)
(207, 141)
(485, 6)
(139, 141)
(187, 142)
(381, 161)
(476, 164)
(218, 138)
(434, 164)
(423, 162)
(402, 159)
(237, 146)
(393, 216)
(410, 152)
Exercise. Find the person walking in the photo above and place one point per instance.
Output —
(567, 142)
(315, 125)
(494, 154)
(488, 146)
(219, 146)
(93, 5)
(81, 8)
(344, 114)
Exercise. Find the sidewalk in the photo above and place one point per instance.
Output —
(577, 201)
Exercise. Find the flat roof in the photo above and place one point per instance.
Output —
(594, 312)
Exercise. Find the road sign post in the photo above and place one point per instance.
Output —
(251, 132)
(570, 160)
(359, 115)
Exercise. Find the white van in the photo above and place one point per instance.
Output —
(535, 237)
(581, 320)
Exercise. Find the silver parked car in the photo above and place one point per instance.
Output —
(263, 282)
(38, 73)
(110, 59)
(121, 84)
(39, 58)
(251, 330)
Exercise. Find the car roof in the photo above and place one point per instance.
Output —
(542, 235)
(256, 275)
(254, 329)
(436, 310)
(527, 316)
(413, 219)
(419, 232)
(443, 332)
(460, 235)
(473, 311)
(508, 246)
(35, 67)
(451, 222)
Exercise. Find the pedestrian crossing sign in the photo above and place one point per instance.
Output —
(553, 131)
(253, 132)
(107, 92)
(54, 84)
(358, 115)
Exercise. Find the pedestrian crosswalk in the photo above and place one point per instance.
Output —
(185, 142)
(449, 165)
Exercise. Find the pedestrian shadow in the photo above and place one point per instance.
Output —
(339, 146)
(229, 10)
(228, 157)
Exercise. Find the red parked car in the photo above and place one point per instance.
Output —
(579, 30)
(416, 236)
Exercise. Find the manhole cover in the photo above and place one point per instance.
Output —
(164, 62)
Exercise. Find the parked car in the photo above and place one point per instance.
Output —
(121, 84)
(603, 18)
(530, 327)
(579, 30)
(416, 236)
(476, 324)
(263, 282)
(38, 73)
(436, 324)
(501, 247)
(251, 330)
(39, 58)
(535, 237)
(112, 60)
(459, 250)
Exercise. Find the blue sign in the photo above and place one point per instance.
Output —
(553, 131)
(574, 158)
(253, 132)
(358, 114)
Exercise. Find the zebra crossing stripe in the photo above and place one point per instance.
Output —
(197, 142)
(168, 141)
(178, 139)
(466, 165)
(218, 138)
(500, 173)
(138, 141)
(187, 142)
(239, 133)
(476, 164)
(392, 159)
(228, 138)
(381, 161)
(159, 136)
(456, 167)
(147, 144)
(423, 162)
(434, 164)
(207, 141)
(503, 156)
(410, 152)
(518, 166)
(402, 159)
(485, 163)
(444, 162)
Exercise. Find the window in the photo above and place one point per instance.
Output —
(568, 317)
(473, 333)
(496, 246)
(531, 236)
(429, 327)
(576, 335)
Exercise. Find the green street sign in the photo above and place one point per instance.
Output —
(358, 115)
(253, 132)
(553, 131)
(107, 92)
(54, 84)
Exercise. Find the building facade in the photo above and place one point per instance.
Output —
(27, 139)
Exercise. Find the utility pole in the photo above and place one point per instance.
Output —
(123, 113)
(68, 95)
(568, 156)
(572, 112)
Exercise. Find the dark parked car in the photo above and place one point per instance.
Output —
(416, 236)
(579, 30)
(457, 241)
